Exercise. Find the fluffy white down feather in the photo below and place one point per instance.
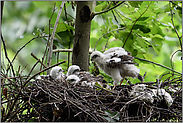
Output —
(72, 69)
(72, 79)
(149, 95)
(120, 70)
(42, 77)
(85, 78)
(57, 74)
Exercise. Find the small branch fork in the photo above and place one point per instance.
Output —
(48, 37)
(53, 34)
(134, 25)
(104, 11)
(174, 25)
(4, 45)
(158, 64)
(17, 96)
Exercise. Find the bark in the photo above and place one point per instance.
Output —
(2, 5)
(81, 43)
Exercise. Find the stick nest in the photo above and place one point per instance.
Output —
(46, 100)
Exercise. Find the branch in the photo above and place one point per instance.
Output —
(172, 58)
(2, 5)
(104, 11)
(135, 23)
(23, 47)
(158, 64)
(127, 104)
(66, 50)
(49, 35)
(106, 34)
(4, 45)
(174, 26)
(38, 60)
(16, 98)
(53, 34)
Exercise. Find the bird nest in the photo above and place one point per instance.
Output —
(44, 100)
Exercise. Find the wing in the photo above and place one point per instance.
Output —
(117, 61)
(114, 52)
(86, 76)
(114, 49)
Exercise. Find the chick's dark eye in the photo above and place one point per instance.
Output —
(60, 70)
(77, 70)
(72, 80)
(95, 56)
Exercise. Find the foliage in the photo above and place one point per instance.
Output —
(150, 30)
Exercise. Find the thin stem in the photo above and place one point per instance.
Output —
(134, 24)
(16, 98)
(48, 37)
(174, 26)
(172, 58)
(52, 36)
(158, 65)
(4, 45)
(104, 11)
(106, 34)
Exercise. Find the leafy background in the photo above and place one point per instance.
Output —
(153, 36)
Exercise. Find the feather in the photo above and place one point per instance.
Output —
(85, 78)
(117, 63)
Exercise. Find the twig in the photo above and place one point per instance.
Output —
(172, 58)
(108, 5)
(16, 98)
(2, 5)
(106, 34)
(38, 59)
(158, 65)
(83, 110)
(104, 11)
(16, 112)
(127, 104)
(4, 45)
(68, 56)
(48, 36)
(66, 50)
(134, 25)
(52, 36)
(32, 69)
(174, 27)
(24, 46)
(34, 108)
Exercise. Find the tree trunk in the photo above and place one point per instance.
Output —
(81, 43)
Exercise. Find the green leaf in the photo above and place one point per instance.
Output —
(143, 28)
(65, 37)
(148, 56)
(123, 35)
(98, 8)
(70, 28)
(141, 43)
(61, 27)
(142, 18)
(135, 4)
(135, 52)
(165, 75)
(46, 29)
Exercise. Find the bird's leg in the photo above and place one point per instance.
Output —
(121, 81)
(115, 74)
(114, 87)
